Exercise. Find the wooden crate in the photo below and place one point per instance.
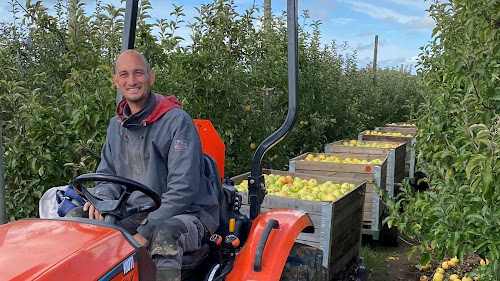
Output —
(400, 124)
(395, 158)
(373, 208)
(410, 149)
(337, 225)
(401, 129)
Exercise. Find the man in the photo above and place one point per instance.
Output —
(153, 141)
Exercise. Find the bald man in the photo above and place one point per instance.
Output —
(153, 141)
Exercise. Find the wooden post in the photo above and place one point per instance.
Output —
(375, 59)
(375, 54)
(3, 205)
(267, 15)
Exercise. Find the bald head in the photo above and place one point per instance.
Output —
(132, 52)
(134, 78)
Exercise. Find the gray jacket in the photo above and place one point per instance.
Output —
(160, 148)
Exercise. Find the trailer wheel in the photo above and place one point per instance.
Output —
(304, 263)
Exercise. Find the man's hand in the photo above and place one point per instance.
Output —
(93, 213)
(141, 240)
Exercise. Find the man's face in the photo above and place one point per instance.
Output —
(133, 80)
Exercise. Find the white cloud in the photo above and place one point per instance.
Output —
(413, 60)
(412, 4)
(389, 55)
(425, 22)
(379, 12)
(341, 20)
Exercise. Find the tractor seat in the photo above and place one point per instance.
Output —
(191, 260)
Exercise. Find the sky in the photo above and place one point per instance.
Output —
(402, 26)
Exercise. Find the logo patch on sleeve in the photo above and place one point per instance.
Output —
(180, 145)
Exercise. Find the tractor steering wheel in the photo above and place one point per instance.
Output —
(112, 210)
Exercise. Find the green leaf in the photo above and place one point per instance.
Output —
(473, 163)
(411, 252)
(426, 258)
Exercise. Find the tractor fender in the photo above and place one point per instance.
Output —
(264, 259)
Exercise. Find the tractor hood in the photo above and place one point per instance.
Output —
(79, 249)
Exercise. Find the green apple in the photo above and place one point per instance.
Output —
(294, 195)
(278, 183)
(270, 180)
(329, 189)
(310, 197)
(321, 195)
(313, 182)
(337, 193)
(330, 197)
(286, 188)
(294, 188)
(298, 183)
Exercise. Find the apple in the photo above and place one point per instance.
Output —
(313, 182)
(278, 183)
(337, 193)
(330, 197)
(270, 180)
(321, 195)
(329, 189)
(282, 193)
(294, 195)
(310, 197)
(294, 188)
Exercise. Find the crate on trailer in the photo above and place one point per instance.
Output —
(404, 130)
(410, 148)
(373, 207)
(337, 225)
(394, 151)
(401, 124)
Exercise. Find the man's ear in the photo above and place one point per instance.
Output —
(152, 78)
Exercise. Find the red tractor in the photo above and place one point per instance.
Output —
(245, 248)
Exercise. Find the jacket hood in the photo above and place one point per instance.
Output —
(162, 105)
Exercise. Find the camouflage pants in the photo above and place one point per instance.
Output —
(169, 241)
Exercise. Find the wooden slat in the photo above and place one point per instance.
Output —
(400, 129)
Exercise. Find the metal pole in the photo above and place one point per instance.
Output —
(128, 37)
(256, 184)
(3, 206)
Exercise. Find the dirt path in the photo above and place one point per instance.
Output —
(391, 263)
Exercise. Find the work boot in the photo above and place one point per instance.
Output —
(163, 274)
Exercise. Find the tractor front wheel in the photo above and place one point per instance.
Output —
(304, 264)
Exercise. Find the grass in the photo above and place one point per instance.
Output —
(375, 258)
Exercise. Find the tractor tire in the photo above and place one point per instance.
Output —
(304, 263)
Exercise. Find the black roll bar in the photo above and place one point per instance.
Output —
(128, 37)
(256, 184)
